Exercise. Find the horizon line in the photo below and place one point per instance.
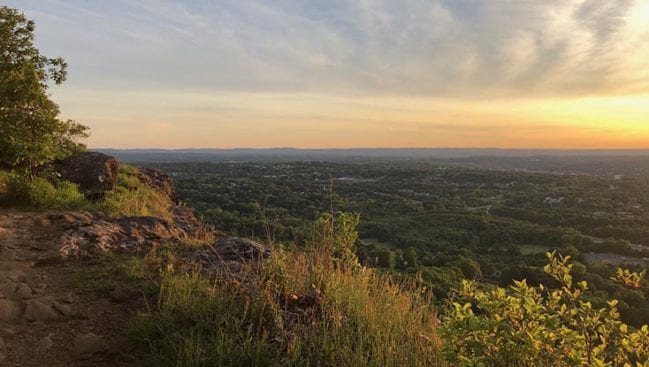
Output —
(379, 148)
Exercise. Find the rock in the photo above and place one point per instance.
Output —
(94, 172)
(9, 310)
(158, 181)
(85, 345)
(44, 344)
(24, 291)
(38, 310)
(126, 235)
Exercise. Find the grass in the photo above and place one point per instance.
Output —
(298, 308)
(132, 198)
(116, 270)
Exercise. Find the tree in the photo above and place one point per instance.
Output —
(31, 132)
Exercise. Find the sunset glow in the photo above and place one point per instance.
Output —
(525, 74)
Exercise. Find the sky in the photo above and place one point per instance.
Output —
(351, 73)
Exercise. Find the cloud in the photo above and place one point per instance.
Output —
(413, 47)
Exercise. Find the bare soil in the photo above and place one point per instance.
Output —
(45, 319)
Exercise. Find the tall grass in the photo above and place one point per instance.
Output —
(298, 308)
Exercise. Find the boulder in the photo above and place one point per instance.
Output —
(94, 172)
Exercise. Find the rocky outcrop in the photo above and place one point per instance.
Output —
(94, 172)
(202, 245)
(158, 180)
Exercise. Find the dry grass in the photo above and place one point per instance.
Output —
(297, 308)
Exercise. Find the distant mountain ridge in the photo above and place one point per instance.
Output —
(298, 154)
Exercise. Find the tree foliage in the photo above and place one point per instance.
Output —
(31, 132)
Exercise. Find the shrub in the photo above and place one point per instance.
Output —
(41, 194)
(536, 326)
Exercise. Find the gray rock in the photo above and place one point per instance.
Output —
(9, 310)
(85, 345)
(38, 310)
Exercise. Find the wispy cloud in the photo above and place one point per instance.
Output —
(451, 47)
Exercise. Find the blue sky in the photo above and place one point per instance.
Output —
(349, 72)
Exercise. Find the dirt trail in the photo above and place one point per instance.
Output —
(44, 320)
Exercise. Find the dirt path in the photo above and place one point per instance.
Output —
(45, 320)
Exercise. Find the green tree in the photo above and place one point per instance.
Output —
(31, 132)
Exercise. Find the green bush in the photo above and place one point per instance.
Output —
(537, 326)
(39, 193)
